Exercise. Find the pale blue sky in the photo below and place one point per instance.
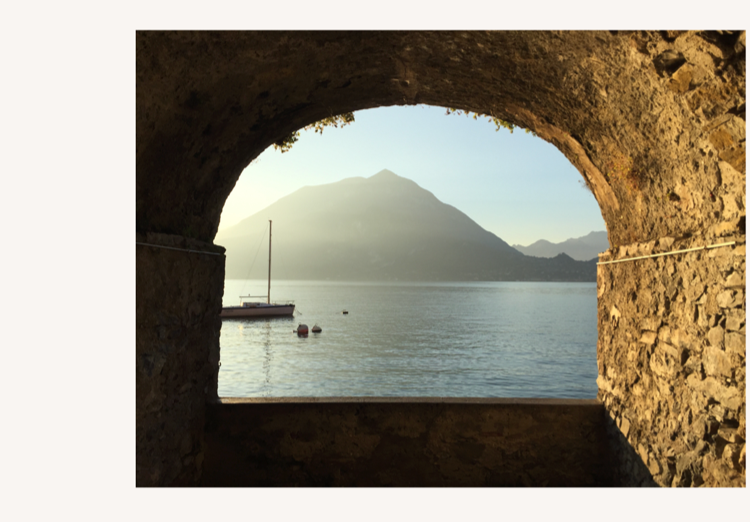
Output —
(515, 185)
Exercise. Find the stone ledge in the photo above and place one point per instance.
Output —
(406, 442)
(408, 400)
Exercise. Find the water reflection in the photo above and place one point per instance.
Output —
(471, 340)
(266, 340)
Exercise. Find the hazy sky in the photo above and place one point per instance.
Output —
(515, 185)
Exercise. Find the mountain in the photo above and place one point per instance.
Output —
(381, 228)
(581, 248)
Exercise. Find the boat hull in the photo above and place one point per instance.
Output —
(262, 310)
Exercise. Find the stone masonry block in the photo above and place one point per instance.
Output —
(716, 336)
(735, 343)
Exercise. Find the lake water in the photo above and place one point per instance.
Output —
(484, 339)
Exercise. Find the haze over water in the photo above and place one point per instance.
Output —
(482, 339)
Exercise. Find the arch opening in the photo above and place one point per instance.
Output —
(504, 182)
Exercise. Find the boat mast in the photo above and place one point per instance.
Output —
(270, 224)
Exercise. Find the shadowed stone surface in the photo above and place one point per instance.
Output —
(177, 354)
(407, 442)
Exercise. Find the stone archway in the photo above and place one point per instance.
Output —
(654, 122)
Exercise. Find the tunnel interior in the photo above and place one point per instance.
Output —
(653, 121)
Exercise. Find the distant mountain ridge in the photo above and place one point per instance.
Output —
(581, 248)
(381, 228)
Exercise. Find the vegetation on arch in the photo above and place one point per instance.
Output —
(497, 121)
(286, 143)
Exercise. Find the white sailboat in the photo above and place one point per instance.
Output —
(259, 309)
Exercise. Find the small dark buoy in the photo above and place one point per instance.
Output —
(316, 329)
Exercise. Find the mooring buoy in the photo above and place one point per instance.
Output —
(301, 329)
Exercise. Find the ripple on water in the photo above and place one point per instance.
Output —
(410, 340)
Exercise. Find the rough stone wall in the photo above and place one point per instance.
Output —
(671, 356)
(653, 120)
(406, 442)
(178, 297)
(645, 116)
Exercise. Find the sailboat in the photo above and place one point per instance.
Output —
(259, 309)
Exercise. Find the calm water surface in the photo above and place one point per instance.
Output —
(486, 339)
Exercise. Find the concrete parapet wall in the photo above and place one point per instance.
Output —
(671, 357)
(179, 285)
(406, 442)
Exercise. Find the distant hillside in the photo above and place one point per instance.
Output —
(382, 228)
(581, 248)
